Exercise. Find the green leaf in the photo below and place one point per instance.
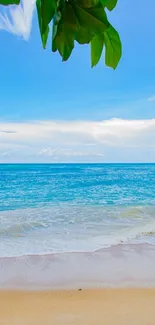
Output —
(84, 36)
(38, 5)
(94, 19)
(96, 49)
(48, 9)
(86, 3)
(110, 4)
(113, 47)
(9, 2)
(56, 20)
(66, 31)
(44, 35)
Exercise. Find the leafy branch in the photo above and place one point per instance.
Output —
(83, 21)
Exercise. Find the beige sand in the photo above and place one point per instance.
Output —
(93, 307)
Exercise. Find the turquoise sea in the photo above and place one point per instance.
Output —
(58, 208)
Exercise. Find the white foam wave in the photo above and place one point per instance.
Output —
(46, 231)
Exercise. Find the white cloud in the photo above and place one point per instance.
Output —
(56, 153)
(18, 19)
(7, 153)
(51, 141)
(151, 98)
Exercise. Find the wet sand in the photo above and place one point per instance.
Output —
(84, 307)
(118, 266)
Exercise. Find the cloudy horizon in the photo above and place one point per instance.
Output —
(113, 140)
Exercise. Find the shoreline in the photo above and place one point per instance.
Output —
(85, 307)
(116, 267)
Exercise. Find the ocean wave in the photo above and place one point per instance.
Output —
(128, 234)
(48, 244)
(66, 228)
(17, 230)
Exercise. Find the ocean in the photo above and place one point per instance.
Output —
(70, 209)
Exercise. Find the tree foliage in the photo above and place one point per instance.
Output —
(9, 2)
(83, 21)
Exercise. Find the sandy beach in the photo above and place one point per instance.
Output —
(84, 307)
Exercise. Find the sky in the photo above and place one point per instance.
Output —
(51, 111)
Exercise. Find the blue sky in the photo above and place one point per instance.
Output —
(36, 86)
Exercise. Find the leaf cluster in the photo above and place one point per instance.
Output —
(82, 21)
